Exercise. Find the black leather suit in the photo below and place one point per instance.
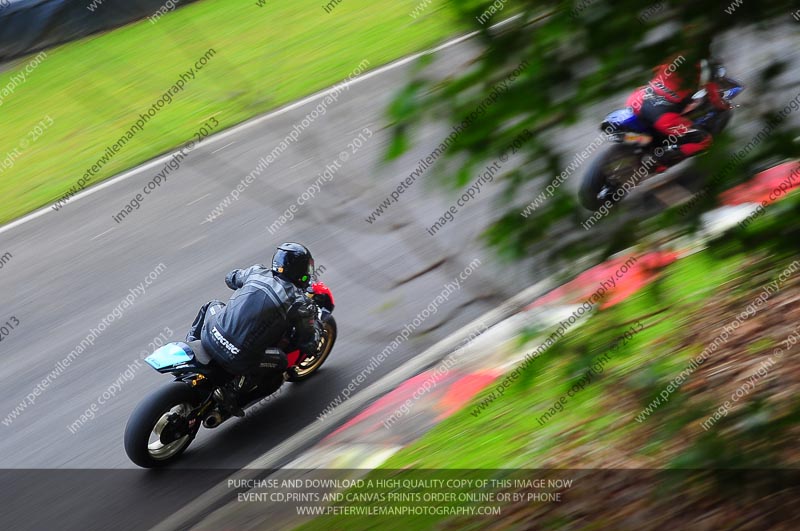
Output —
(256, 318)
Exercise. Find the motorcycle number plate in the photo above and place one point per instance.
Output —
(638, 138)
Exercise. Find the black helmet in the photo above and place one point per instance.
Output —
(293, 262)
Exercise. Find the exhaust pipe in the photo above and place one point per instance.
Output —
(213, 420)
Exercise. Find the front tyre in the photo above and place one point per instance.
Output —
(615, 165)
(159, 429)
(310, 365)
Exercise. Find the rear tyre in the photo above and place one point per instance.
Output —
(157, 432)
(310, 365)
(615, 165)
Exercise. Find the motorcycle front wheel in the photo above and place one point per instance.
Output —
(615, 165)
(310, 365)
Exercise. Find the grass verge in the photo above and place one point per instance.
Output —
(85, 95)
(603, 426)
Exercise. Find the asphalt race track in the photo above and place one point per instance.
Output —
(70, 269)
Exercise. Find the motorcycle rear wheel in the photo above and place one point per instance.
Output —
(163, 410)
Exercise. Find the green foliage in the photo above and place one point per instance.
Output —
(577, 54)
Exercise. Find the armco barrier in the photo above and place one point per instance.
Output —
(28, 26)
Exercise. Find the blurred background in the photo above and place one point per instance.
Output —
(99, 96)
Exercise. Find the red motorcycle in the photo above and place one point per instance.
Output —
(166, 422)
(637, 146)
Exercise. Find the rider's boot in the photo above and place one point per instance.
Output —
(228, 399)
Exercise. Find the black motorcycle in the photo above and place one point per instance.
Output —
(163, 426)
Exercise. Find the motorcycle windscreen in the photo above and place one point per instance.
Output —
(624, 120)
(169, 355)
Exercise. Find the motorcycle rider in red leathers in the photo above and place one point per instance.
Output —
(662, 102)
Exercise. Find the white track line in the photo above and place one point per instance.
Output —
(198, 199)
(251, 123)
(102, 233)
(223, 147)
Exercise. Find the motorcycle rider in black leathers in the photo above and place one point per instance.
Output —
(243, 335)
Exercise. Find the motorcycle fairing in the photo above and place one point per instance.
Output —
(732, 92)
(169, 356)
(623, 120)
(323, 294)
(292, 358)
